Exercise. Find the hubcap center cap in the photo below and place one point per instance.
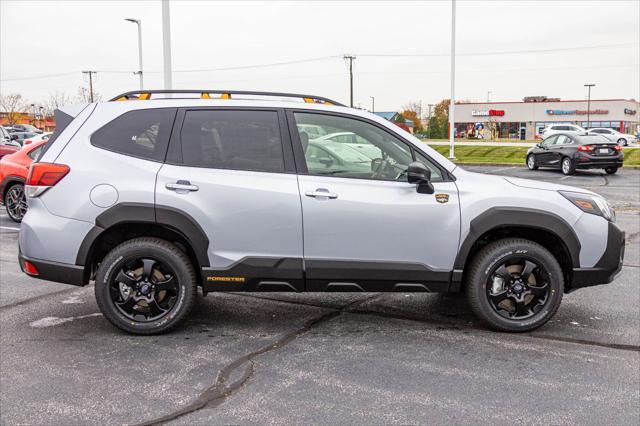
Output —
(145, 288)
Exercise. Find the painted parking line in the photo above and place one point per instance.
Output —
(10, 228)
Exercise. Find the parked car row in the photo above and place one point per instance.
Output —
(611, 135)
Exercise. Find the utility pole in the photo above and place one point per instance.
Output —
(589, 86)
(139, 72)
(166, 44)
(350, 58)
(373, 103)
(429, 122)
(91, 73)
(489, 96)
(452, 103)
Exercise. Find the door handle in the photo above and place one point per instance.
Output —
(321, 193)
(181, 186)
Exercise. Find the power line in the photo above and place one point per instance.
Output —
(504, 52)
(40, 76)
(370, 55)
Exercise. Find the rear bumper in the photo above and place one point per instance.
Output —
(607, 268)
(586, 161)
(54, 271)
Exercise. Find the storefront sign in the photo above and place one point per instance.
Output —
(630, 111)
(489, 113)
(576, 111)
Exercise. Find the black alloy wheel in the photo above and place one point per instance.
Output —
(144, 289)
(15, 202)
(514, 284)
(146, 286)
(518, 288)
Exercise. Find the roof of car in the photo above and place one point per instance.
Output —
(585, 138)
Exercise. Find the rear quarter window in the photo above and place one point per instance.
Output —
(141, 133)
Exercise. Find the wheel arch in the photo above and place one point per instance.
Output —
(542, 227)
(126, 221)
(7, 182)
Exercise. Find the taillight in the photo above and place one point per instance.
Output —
(43, 176)
(27, 142)
(30, 268)
(617, 147)
(585, 148)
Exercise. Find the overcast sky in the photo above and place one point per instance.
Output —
(66, 37)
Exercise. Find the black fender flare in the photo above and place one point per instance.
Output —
(503, 217)
(170, 217)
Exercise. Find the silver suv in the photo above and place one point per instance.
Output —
(157, 193)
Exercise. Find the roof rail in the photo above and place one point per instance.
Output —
(224, 94)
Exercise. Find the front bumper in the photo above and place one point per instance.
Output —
(54, 271)
(607, 268)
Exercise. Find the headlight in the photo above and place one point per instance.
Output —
(593, 204)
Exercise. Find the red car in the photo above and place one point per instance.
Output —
(14, 168)
(7, 149)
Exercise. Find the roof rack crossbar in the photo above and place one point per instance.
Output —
(224, 94)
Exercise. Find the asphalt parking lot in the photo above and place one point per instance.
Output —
(324, 358)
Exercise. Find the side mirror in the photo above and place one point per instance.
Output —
(14, 137)
(327, 161)
(419, 174)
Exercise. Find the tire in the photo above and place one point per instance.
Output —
(115, 297)
(488, 263)
(623, 142)
(567, 166)
(531, 162)
(611, 170)
(15, 202)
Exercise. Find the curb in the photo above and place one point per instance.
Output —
(521, 165)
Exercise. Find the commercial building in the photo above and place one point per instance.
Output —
(512, 120)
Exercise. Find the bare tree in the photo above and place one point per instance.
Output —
(55, 101)
(13, 105)
(85, 97)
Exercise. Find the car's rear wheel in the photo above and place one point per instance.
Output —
(611, 170)
(568, 168)
(623, 142)
(514, 285)
(531, 162)
(15, 202)
(145, 286)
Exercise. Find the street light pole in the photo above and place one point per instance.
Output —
(489, 96)
(166, 44)
(452, 103)
(429, 122)
(139, 72)
(373, 103)
(589, 86)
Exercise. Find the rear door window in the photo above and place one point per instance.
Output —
(232, 139)
(141, 133)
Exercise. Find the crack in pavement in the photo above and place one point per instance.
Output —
(450, 324)
(218, 393)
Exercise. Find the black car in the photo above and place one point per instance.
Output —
(569, 152)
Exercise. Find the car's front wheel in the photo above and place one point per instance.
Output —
(15, 202)
(531, 162)
(514, 285)
(568, 168)
(145, 286)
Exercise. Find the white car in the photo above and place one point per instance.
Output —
(552, 129)
(41, 137)
(614, 135)
(353, 140)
